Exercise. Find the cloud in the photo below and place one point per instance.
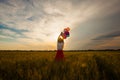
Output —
(38, 21)
(113, 43)
(11, 32)
(6, 2)
(65, 10)
(108, 36)
(3, 1)
(109, 40)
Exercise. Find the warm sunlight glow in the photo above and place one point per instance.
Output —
(61, 37)
(55, 36)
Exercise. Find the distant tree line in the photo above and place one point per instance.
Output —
(64, 50)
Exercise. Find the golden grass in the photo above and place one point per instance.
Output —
(84, 65)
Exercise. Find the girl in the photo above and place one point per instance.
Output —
(60, 44)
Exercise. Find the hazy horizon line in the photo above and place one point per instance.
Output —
(70, 50)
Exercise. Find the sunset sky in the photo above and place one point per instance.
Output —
(36, 24)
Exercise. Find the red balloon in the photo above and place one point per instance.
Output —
(64, 36)
(68, 29)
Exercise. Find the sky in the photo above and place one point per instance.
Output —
(36, 24)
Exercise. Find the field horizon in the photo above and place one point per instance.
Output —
(70, 50)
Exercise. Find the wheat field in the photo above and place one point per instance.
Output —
(78, 65)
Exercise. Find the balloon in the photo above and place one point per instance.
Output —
(65, 30)
(67, 33)
(64, 36)
(68, 29)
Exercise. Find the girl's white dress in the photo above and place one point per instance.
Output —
(60, 45)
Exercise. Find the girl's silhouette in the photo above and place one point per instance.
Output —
(60, 44)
